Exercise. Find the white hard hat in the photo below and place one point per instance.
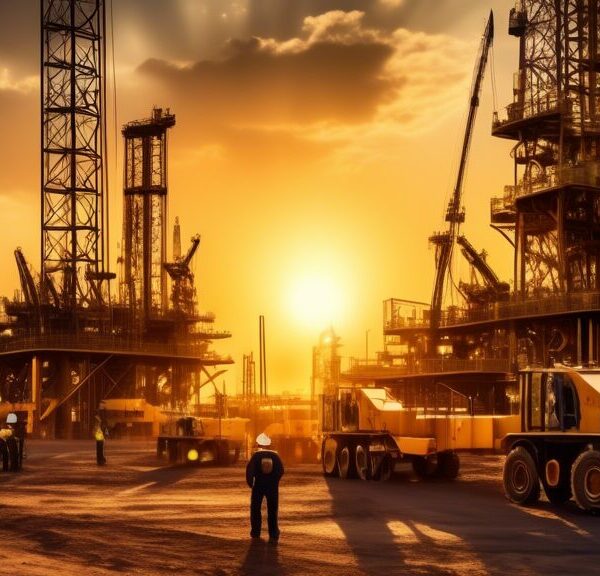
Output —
(11, 418)
(263, 440)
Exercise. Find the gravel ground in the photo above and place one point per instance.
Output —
(64, 515)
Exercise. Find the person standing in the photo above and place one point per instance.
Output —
(99, 435)
(263, 473)
(12, 442)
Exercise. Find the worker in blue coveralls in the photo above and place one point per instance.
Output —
(263, 472)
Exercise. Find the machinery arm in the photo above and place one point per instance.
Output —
(476, 259)
(28, 286)
(190, 253)
(454, 215)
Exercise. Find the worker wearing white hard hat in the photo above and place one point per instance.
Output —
(12, 444)
(263, 473)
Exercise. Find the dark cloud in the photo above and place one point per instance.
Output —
(326, 81)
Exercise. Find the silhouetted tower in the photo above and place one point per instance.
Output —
(72, 94)
(553, 205)
(145, 218)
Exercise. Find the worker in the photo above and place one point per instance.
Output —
(4, 433)
(263, 472)
(12, 442)
(99, 435)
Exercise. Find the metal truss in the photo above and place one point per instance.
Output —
(554, 118)
(144, 286)
(72, 146)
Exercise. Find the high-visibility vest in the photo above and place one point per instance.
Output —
(99, 434)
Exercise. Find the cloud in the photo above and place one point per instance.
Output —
(337, 81)
(391, 3)
(23, 85)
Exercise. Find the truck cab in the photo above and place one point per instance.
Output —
(558, 445)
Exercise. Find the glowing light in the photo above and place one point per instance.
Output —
(316, 301)
(192, 455)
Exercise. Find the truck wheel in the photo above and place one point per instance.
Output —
(362, 462)
(448, 465)
(585, 480)
(424, 467)
(520, 477)
(384, 472)
(346, 465)
(556, 482)
(329, 459)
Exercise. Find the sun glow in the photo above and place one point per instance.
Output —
(316, 301)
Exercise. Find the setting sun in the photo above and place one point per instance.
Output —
(316, 301)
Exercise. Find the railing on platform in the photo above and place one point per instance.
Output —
(409, 365)
(548, 305)
(108, 344)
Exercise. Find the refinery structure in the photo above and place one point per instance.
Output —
(464, 347)
(78, 338)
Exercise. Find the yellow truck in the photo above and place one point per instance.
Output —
(558, 440)
(203, 440)
(366, 431)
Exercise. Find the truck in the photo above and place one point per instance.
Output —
(557, 445)
(366, 432)
(203, 440)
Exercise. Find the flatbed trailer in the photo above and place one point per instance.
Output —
(189, 439)
(351, 450)
(183, 449)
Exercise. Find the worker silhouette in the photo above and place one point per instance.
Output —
(99, 436)
(263, 472)
(12, 442)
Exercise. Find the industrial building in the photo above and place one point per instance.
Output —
(77, 339)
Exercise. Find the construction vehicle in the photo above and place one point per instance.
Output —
(559, 440)
(202, 440)
(366, 432)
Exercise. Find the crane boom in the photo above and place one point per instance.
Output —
(454, 215)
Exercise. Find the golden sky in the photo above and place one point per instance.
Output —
(315, 149)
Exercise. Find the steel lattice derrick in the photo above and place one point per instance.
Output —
(144, 286)
(72, 143)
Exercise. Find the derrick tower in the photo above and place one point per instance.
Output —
(550, 214)
(145, 214)
(553, 205)
(72, 94)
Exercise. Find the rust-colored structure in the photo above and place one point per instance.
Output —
(72, 347)
(550, 213)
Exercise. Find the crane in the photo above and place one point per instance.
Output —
(455, 215)
(179, 271)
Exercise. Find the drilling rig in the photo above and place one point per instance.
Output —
(70, 348)
(550, 216)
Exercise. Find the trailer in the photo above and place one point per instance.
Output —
(558, 445)
(366, 432)
(191, 439)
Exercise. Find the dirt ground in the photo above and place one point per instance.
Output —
(64, 515)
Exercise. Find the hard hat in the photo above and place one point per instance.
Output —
(11, 418)
(263, 440)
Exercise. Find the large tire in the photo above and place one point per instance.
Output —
(362, 461)
(448, 465)
(424, 467)
(520, 477)
(384, 472)
(556, 482)
(329, 457)
(346, 464)
(585, 480)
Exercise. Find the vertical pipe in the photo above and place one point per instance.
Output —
(579, 341)
(590, 342)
